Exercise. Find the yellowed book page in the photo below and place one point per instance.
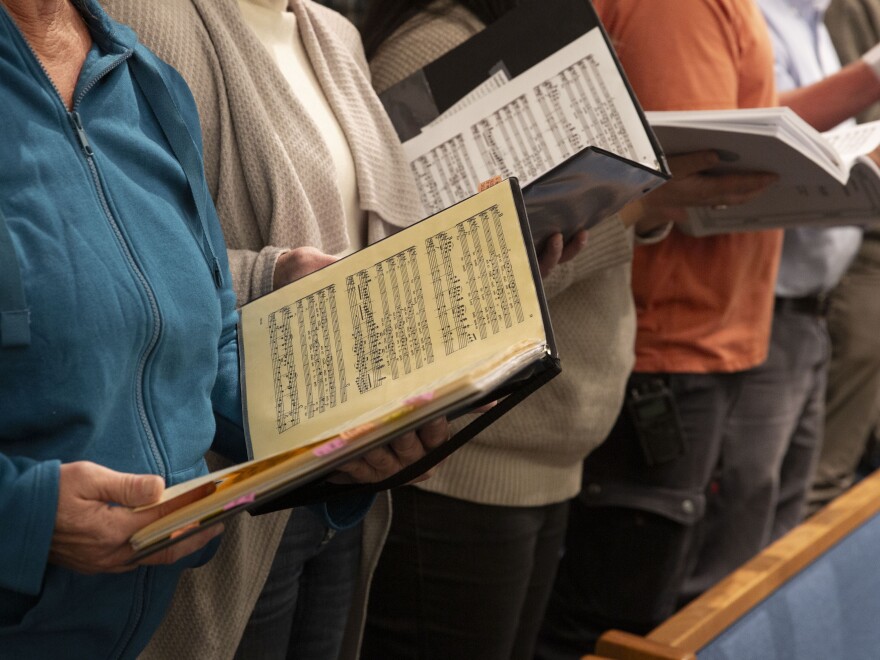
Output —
(240, 485)
(475, 380)
(387, 322)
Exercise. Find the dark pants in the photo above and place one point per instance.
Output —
(770, 451)
(634, 529)
(642, 540)
(303, 607)
(462, 580)
(853, 396)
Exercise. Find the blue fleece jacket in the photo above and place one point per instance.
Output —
(132, 347)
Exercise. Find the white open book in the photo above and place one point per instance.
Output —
(826, 179)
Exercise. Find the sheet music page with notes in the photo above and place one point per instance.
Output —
(571, 100)
(387, 323)
(430, 321)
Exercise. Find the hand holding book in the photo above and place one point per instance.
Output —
(824, 180)
(383, 462)
(694, 183)
(431, 321)
(553, 108)
(94, 518)
(557, 250)
(297, 263)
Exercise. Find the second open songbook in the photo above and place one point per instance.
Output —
(442, 315)
(825, 179)
(539, 95)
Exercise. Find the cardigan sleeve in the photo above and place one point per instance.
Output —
(609, 244)
(421, 40)
(252, 271)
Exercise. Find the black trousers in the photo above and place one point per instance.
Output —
(462, 580)
(645, 539)
(635, 531)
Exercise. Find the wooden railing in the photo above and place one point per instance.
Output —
(706, 617)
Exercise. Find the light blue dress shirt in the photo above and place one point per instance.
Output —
(813, 260)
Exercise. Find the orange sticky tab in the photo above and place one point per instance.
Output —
(488, 183)
(183, 530)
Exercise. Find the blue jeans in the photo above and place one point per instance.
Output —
(303, 607)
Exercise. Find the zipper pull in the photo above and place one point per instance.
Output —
(218, 274)
(81, 133)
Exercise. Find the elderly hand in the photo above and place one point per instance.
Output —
(386, 461)
(556, 252)
(91, 531)
(693, 185)
(298, 262)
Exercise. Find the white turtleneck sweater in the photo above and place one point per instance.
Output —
(277, 29)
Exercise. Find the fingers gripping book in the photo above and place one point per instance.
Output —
(431, 321)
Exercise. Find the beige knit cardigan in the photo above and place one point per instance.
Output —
(274, 185)
(532, 456)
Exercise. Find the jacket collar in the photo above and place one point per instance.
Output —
(111, 36)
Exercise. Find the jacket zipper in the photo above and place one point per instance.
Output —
(76, 121)
(139, 597)
(154, 307)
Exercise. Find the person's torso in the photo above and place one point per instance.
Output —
(124, 314)
(703, 304)
(278, 31)
(813, 259)
(124, 322)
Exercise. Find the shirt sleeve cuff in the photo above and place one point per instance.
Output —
(872, 59)
(654, 236)
(29, 503)
(344, 513)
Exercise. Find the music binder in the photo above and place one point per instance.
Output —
(324, 360)
(554, 109)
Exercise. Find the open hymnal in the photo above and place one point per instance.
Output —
(540, 95)
(445, 313)
(825, 179)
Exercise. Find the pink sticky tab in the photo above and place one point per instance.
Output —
(329, 447)
(241, 501)
(421, 398)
